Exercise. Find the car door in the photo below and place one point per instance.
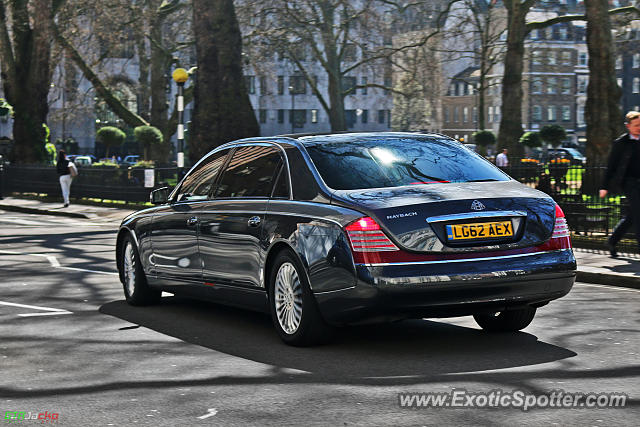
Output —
(230, 239)
(174, 238)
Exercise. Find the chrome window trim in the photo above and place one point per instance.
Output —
(461, 259)
(474, 215)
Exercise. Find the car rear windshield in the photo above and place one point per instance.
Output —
(368, 162)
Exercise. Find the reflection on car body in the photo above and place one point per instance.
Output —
(330, 230)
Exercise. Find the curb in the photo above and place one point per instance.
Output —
(615, 280)
(25, 209)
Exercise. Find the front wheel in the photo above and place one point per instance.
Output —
(134, 282)
(293, 308)
(506, 321)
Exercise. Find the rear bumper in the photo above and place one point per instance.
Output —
(446, 289)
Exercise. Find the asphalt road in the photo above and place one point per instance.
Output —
(70, 346)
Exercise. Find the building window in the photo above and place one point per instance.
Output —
(552, 85)
(619, 82)
(551, 57)
(445, 111)
(563, 33)
(250, 84)
(536, 85)
(264, 89)
(619, 62)
(496, 114)
(490, 115)
(263, 115)
(636, 85)
(536, 57)
(582, 84)
(465, 114)
(364, 81)
(470, 89)
(551, 113)
(566, 57)
(583, 59)
(475, 114)
(314, 116)
(348, 85)
(566, 113)
(280, 116)
(636, 60)
(297, 85)
(365, 116)
(536, 114)
(382, 115)
(580, 115)
(566, 86)
(298, 118)
(280, 85)
(455, 114)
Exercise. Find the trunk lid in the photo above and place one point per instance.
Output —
(457, 217)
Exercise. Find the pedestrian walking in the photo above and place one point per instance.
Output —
(502, 161)
(66, 171)
(623, 173)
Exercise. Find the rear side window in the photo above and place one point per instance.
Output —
(250, 172)
(197, 184)
(374, 162)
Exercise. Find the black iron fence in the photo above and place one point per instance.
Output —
(110, 183)
(573, 186)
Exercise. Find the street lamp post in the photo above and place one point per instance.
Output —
(293, 107)
(180, 76)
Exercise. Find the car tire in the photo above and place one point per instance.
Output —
(506, 321)
(293, 307)
(134, 282)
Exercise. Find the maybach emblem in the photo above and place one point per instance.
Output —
(477, 206)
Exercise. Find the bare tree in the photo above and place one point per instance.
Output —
(26, 66)
(337, 38)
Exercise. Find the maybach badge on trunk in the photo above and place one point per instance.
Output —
(477, 206)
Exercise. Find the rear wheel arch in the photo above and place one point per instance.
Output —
(273, 253)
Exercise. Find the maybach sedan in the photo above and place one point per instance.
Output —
(329, 230)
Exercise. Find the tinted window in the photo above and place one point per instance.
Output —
(197, 184)
(350, 163)
(281, 186)
(250, 172)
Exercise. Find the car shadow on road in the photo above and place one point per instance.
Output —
(420, 348)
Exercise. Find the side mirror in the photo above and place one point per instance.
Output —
(159, 196)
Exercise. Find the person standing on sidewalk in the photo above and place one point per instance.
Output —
(623, 172)
(502, 161)
(66, 171)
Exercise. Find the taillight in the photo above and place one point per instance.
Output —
(366, 235)
(560, 228)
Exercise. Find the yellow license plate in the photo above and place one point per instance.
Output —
(484, 230)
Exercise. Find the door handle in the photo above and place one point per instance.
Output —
(254, 221)
(192, 221)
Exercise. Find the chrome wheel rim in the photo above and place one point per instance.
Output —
(288, 298)
(129, 269)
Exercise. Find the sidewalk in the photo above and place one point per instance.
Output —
(594, 266)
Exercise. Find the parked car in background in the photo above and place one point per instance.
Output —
(130, 160)
(569, 153)
(82, 160)
(330, 230)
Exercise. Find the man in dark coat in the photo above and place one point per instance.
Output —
(623, 171)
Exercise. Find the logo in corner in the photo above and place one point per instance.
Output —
(477, 206)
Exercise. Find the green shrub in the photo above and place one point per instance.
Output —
(148, 136)
(110, 136)
(553, 134)
(531, 139)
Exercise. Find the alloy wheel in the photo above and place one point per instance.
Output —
(288, 298)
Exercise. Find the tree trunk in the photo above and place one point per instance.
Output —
(26, 75)
(511, 117)
(602, 112)
(222, 109)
